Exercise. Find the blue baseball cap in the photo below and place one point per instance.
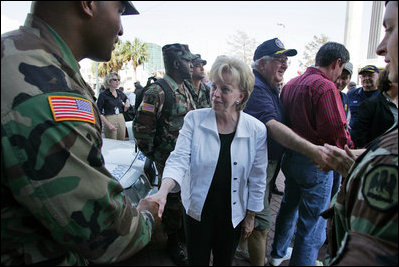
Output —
(273, 48)
(369, 68)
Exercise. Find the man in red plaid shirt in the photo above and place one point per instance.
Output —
(314, 111)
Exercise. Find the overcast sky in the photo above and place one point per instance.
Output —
(207, 25)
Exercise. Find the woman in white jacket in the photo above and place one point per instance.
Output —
(219, 163)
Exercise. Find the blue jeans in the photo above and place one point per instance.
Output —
(307, 193)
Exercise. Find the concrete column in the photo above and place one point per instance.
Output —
(353, 29)
(375, 28)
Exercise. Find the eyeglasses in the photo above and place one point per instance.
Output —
(282, 60)
(115, 80)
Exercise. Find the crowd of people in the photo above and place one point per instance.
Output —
(217, 146)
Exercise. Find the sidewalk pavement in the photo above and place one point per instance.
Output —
(154, 254)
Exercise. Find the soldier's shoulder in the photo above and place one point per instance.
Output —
(388, 143)
(153, 89)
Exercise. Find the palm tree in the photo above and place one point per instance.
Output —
(113, 65)
(136, 52)
(124, 52)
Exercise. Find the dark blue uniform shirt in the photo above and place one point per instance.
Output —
(356, 97)
(345, 103)
(264, 104)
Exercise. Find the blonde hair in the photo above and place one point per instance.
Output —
(240, 73)
(109, 77)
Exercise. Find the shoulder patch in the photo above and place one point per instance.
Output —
(148, 107)
(69, 108)
(380, 187)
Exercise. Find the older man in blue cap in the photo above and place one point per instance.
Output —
(269, 66)
(368, 79)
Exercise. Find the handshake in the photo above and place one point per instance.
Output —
(147, 204)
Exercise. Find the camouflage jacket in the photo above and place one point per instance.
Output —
(202, 99)
(154, 133)
(365, 210)
(59, 205)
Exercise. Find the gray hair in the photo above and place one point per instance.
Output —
(255, 64)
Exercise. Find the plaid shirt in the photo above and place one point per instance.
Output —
(314, 109)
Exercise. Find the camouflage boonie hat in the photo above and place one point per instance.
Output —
(180, 50)
(198, 60)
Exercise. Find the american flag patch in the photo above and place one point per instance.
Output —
(68, 108)
(148, 107)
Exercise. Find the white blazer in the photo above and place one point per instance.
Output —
(192, 164)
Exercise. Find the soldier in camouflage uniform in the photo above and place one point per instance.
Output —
(199, 91)
(156, 133)
(363, 224)
(60, 205)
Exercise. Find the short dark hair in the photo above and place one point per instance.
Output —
(331, 51)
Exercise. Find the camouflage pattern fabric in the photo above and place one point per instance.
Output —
(60, 205)
(202, 99)
(366, 207)
(156, 135)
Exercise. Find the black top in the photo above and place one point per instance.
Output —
(219, 195)
(109, 105)
(375, 117)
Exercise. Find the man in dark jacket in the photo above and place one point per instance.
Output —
(376, 114)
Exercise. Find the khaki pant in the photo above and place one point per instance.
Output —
(119, 122)
(263, 219)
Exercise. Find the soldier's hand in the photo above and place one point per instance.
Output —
(339, 159)
(151, 206)
(162, 194)
(160, 198)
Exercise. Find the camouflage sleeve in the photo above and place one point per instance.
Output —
(145, 122)
(55, 170)
(367, 202)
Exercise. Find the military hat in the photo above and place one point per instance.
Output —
(180, 50)
(349, 67)
(129, 8)
(198, 59)
(273, 48)
(369, 68)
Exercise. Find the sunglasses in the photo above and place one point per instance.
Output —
(115, 80)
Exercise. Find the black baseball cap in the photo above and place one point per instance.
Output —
(129, 8)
